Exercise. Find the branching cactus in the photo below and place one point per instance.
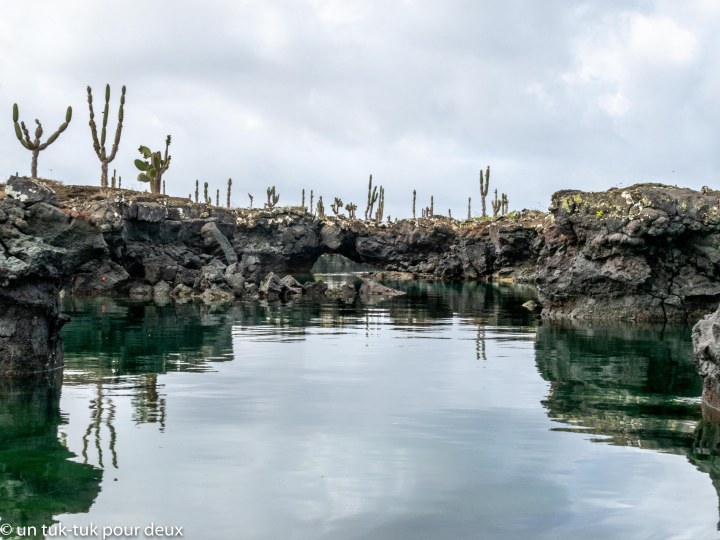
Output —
(34, 145)
(496, 205)
(484, 185)
(351, 208)
(229, 190)
(320, 208)
(154, 166)
(336, 206)
(372, 199)
(99, 144)
(272, 198)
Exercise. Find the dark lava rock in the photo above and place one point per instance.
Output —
(706, 344)
(373, 288)
(647, 252)
(29, 191)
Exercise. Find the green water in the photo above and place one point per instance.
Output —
(447, 413)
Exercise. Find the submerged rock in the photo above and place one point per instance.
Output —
(373, 288)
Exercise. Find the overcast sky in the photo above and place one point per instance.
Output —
(318, 94)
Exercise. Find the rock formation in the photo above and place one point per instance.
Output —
(647, 252)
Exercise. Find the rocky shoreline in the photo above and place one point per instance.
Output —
(647, 252)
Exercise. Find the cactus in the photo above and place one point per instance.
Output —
(197, 190)
(205, 193)
(229, 190)
(113, 183)
(484, 185)
(381, 206)
(351, 208)
(272, 198)
(504, 204)
(217, 197)
(372, 198)
(496, 204)
(303, 200)
(153, 169)
(251, 200)
(432, 206)
(320, 208)
(312, 208)
(469, 214)
(337, 206)
(450, 213)
(163, 187)
(99, 144)
(414, 197)
(119, 182)
(34, 145)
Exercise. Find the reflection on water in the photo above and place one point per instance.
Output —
(448, 412)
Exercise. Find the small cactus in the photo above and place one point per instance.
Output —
(197, 191)
(469, 214)
(432, 206)
(251, 200)
(152, 170)
(34, 145)
(217, 198)
(496, 205)
(336, 206)
(414, 197)
(504, 204)
(113, 180)
(320, 208)
(312, 208)
(229, 190)
(303, 200)
(272, 198)
(205, 193)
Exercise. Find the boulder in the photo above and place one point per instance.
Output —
(373, 288)
(29, 191)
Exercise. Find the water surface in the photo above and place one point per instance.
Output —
(447, 413)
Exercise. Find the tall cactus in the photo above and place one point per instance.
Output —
(372, 198)
(99, 144)
(432, 206)
(484, 185)
(34, 145)
(217, 198)
(205, 193)
(312, 208)
(414, 197)
(381, 206)
(197, 190)
(229, 190)
(152, 170)
(303, 200)
(469, 214)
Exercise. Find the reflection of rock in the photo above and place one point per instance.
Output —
(36, 467)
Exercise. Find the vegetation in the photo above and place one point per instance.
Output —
(272, 198)
(34, 145)
(99, 144)
(153, 166)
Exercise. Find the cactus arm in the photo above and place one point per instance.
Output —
(26, 134)
(54, 136)
(93, 127)
(106, 112)
(118, 129)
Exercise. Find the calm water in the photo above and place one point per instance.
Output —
(448, 413)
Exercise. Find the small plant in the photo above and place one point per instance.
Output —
(599, 213)
(336, 206)
(154, 166)
(34, 145)
(351, 208)
(99, 144)
(272, 198)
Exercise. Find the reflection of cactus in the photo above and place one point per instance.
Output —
(414, 196)
(320, 208)
(197, 191)
(153, 169)
(504, 204)
(372, 198)
(484, 189)
(272, 198)
(34, 145)
(496, 205)
(229, 189)
(351, 208)
(251, 200)
(336, 206)
(99, 144)
(469, 215)
(381, 206)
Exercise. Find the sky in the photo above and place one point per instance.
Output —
(319, 94)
